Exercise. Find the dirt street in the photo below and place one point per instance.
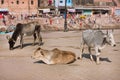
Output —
(17, 64)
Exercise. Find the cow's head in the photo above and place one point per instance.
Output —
(11, 42)
(38, 54)
(110, 38)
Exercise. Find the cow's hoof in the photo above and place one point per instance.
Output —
(79, 58)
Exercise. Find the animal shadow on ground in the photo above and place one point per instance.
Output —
(85, 55)
(41, 62)
(28, 44)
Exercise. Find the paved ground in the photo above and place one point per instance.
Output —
(18, 65)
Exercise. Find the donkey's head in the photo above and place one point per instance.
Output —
(11, 42)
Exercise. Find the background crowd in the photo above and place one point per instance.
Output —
(56, 22)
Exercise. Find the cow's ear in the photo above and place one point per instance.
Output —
(42, 53)
(39, 48)
(8, 37)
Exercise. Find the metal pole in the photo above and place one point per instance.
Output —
(65, 23)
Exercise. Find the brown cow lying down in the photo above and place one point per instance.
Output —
(54, 56)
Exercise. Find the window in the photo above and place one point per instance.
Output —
(32, 2)
(38, 3)
(77, 2)
(2, 1)
(61, 1)
(12, 2)
(69, 1)
(17, 1)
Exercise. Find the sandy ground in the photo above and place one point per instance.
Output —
(18, 64)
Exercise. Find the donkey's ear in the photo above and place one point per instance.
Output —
(8, 37)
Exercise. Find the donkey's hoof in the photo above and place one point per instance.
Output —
(11, 49)
(21, 47)
(98, 63)
(33, 44)
(41, 43)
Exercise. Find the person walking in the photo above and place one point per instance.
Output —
(3, 20)
(50, 20)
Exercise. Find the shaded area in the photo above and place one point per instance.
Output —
(28, 44)
(41, 62)
(94, 57)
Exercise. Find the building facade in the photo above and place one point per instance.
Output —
(62, 3)
(32, 6)
(19, 6)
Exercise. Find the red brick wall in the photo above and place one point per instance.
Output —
(22, 7)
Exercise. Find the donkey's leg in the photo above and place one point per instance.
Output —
(21, 41)
(91, 57)
(34, 35)
(39, 38)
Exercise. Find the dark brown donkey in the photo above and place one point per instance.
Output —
(31, 28)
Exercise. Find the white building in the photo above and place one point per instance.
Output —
(62, 3)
